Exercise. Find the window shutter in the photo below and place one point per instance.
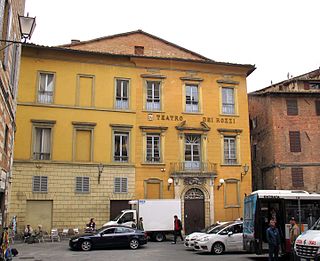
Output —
(120, 185)
(82, 184)
(40, 184)
(292, 107)
(318, 107)
(85, 187)
(78, 184)
(124, 185)
(295, 145)
(297, 177)
(117, 187)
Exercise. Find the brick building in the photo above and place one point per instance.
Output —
(9, 67)
(285, 131)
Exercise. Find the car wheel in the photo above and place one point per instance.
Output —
(217, 248)
(159, 237)
(86, 245)
(134, 243)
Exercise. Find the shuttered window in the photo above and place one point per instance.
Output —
(292, 107)
(40, 184)
(318, 107)
(295, 145)
(297, 177)
(120, 185)
(82, 184)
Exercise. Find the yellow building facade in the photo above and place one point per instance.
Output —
(126, 117)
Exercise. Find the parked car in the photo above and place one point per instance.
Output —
(226, 237)
(109, 237)
(189, 240)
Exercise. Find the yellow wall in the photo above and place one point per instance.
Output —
(102, 71)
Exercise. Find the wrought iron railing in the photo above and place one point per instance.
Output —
(193, 166)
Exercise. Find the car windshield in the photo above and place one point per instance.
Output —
(209, 228)
(218, 228)
(316, 225)
(117, 217)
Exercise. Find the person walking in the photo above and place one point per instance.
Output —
(294, 232)
(273, 238)
(177, 225)
(91, 226)
(140, 224)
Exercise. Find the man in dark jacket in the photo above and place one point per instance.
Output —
(273, 238)
(177, 225)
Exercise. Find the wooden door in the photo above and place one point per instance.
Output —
(193, 211)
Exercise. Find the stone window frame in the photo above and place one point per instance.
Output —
(83, 126)
(128, 92)
(231, 181)
(192, 82)
(153, 181)
(231, 85)
(38, 81)
(44, 124)
(236, 133)
(93, 77)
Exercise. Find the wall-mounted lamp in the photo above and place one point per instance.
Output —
(163, 169)
(221, 182)
(100, 170)
(245, 169)
(170, 181)
(26, 27)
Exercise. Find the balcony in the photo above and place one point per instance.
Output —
(193, 169)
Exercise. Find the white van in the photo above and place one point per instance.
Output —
(307, 245)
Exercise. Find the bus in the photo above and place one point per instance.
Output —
(262, 205)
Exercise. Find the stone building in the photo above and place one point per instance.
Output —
(285, 130)
(9, 70)
(105, 121)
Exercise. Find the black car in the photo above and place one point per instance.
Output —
(108, 237)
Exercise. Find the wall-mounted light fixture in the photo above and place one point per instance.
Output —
(163, 169)
(170, 181)
(221, 182)
(100, 170)
(245, 170)
(26, 27)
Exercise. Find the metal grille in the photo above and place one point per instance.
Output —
(306, 251)
(120, 185)
(82, 184)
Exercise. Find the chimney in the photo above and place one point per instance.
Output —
(75, 41)
(139, 50)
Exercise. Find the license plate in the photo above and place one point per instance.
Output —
(303, 259)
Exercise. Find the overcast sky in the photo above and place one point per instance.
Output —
(278, 36)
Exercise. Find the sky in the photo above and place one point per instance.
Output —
(277, 36)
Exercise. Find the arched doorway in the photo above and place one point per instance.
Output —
(193, 210)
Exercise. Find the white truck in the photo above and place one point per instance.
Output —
(157, 216)
(307, 245)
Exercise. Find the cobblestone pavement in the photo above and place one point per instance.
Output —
(153, 251)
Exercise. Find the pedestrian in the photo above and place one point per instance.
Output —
(177, 225)
(140, 224)
(28, 231)
(91, 225)
(134, 225)
(294, 232)
(273, 238)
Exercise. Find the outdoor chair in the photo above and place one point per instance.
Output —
(76, 231)
(55, 235)
(65, 233)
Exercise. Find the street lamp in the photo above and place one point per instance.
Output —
(26, 25)
(26, 28)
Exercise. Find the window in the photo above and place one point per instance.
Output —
(122, 94)
(6, 141)
(42, 146)
(295, 145)
(45, 88)
(153, 188)
(14, 69)
(192, 98)
(83, 145)
(232, 193)
(120, 185)
(85, 90)
(153, 148)
(192, 151)
(297, 177)
(314, 86)
(228, 101)
(317, 103)
(82, 184)
(230, 152)
(121, 146)
(153, 96)
(39, 184)
(292, 107)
